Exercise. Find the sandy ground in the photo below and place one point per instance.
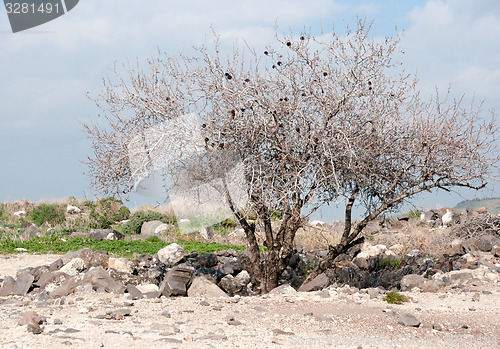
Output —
(296, 320)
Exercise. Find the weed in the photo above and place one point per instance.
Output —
(414, 213)
(49, 213)
(395, 297)
(390, 262)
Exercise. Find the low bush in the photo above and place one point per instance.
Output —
(50, 213)
(395, 297)
(137, 219)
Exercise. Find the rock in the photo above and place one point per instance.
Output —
(373, 292)
(318, 283)
(149, 228)
(95, 258)
(134, 292)
(56, 265)
(283, 289)
(78, 234)
(317, 224)
(145, 288)
(456, 248)
(162, 229)
(100, 279)
(52, 280)
(22, 285)
(207, 233)
(30, 232)
(207, 260)
(230, 265)
(120, 264)
(73, 209)
(176, 280)
(171, 254)
(105, 234)
(430, 286)
(408, 320)
(496, 251)
(34, 329)
(73, 267)
(202, 287)
(226, 283)
(410, 281)
(450, 218)
(30, 317)
(483, 243)
(66, 288)
(7, 286)
(241, 281)
(20, 213)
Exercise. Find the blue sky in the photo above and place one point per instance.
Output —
(46, 72)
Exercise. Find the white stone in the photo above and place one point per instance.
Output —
(21, 213)
(120, 264)
(73, 267)
(317, 223)
(161, 229)
(144, 288)
(73, 209)
(171, 254)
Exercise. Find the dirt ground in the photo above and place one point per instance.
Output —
(457, 318)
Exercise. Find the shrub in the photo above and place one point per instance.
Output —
(390, 262)
(107, 212)
(50, 213)
(395, 297)
(137, 219)
(414, 213)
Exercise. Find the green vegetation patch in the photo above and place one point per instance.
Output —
(118, 248)
(133, 226)
(390, 262)
(395, 297)
(50, 213)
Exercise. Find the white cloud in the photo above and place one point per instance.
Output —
(454, 41)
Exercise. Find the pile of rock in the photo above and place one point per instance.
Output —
(169, 273)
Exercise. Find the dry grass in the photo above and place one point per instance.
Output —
(415, 237)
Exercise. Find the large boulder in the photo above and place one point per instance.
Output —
(30, 232)
(202, 287)
(171, 254)
(410, 281)
(101, 280)
(149, 228)
(318, 283)
(176, 281)
(105, 234)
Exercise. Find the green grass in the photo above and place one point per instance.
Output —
(395, 297)
(118, 248)
(390, 262)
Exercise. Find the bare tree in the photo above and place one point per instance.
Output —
(310, 121)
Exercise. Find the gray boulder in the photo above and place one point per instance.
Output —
(409, 320)
(283, 289)
(202, 287)
(105, 234)
(171, 254)
(101, 280)
(176, 280)
(7, 286)
(318, 283)
(30, 232)
(22, 285)
(410, 281)
(149, 228)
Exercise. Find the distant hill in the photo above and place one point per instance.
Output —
(492, 205)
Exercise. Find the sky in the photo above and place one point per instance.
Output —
(46, 72)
